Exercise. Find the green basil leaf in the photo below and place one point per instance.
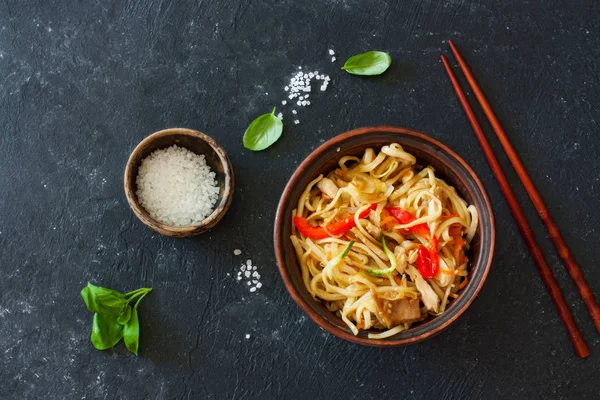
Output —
(124, 315)
(263, 132)
(369, 63)
(102, 300)
(131, 333)
(106, 332)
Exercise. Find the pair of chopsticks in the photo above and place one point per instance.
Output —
(579, 344)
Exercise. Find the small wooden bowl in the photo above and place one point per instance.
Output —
(448, 166)
(199, 143)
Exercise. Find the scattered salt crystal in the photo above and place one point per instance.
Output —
(294, 112)
(176, 186)
(296, 121)
(286, 88)
(333, 59)
(299, 67)
(283, 102)
(249, 273)
(237, 252)
(331, 52)
(247, 336)
(338, 149)
(301, 98)
(280, 115)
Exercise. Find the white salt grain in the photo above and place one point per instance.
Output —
(248, 272)
(296, 121)
(331, 52)
(237, 252)
(294, 112)
(280, 115)
(247, 336)
(176, 186)
(283, 102)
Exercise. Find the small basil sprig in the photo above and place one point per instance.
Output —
(114, 317)
(369, 63)
(263, 132)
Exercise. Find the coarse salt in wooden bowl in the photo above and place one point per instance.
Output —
(198, 143)
(448, 166)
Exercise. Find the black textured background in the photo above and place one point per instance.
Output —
(82, 82)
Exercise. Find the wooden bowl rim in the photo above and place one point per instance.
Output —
(278, 243)
(220, 209)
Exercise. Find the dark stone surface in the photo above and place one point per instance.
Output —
(83, 82)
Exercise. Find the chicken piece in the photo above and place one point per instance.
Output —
(328, 187)
(394, 312)
(373, 231)
(400, 254)
(429, 298)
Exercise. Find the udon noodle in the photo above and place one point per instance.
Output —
(381, 243)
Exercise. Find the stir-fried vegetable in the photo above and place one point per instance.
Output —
(404, 217)
(428, 261)
(391, 257)
(336, 260)
(334, 229)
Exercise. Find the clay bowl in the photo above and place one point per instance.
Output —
(448, 166)
(199, 143)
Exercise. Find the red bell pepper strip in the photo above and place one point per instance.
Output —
(404, 217)
(334, 229)
(428, 261)
(424, 263)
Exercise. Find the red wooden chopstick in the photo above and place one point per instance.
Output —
(536, 199)
(581, 348)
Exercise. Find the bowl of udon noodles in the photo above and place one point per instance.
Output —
(384, 236)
